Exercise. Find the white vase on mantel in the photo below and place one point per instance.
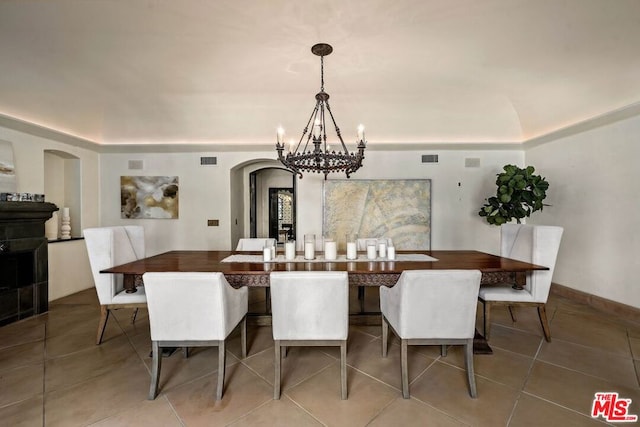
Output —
(65, 227)
(51, 227)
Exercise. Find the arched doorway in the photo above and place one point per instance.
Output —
(272, 213)
(250, 203)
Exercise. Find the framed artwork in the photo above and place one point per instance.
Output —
(7, 168)
(399, 209)
(143, 197)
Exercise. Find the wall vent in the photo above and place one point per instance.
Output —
(136, 164)
(429, 158)
(208, 160)
(472, 162)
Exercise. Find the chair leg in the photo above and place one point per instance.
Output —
(512, 312)
(443, 350)
(221, 365)
(487, 319)
(104, 316)
(343, 369)
(134, 315)
(156, 364)
(185, 352)
(468, 361)
(385, 333)
(277, 377)
(267, 302)
(404, 368)
(243, 336)
(542, 314)
(361, 298)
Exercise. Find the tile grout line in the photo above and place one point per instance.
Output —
(636, 366)
(529, 371)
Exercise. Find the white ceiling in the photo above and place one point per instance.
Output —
(230, 72)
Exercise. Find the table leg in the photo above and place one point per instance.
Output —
(521, 280)
(129, 283)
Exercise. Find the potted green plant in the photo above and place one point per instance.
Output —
(519, 193)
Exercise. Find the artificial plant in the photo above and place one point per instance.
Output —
(519, 193)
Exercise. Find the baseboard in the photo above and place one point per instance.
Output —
(624, 311)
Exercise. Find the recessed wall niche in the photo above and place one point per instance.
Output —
(62, 186)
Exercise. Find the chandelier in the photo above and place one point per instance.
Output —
(320, 158)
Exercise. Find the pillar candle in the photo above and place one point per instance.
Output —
(290, 250)
(352, 252)
(266, 254)
(371, 251)
(309, 250)
(382, 249)
(330, 250)
(391, 253)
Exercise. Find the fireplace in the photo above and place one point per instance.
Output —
(23, 260)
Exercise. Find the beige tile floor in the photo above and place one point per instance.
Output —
(53, 374)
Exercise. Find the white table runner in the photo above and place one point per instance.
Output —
(320, 258)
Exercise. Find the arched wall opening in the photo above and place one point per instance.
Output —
(250, 185)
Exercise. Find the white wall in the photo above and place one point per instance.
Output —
(69, 270)
(595, 197)
(66, 257)
(205, 194)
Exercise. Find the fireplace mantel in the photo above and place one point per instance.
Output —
(23, 259)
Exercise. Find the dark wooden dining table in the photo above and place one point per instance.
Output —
(495, 269)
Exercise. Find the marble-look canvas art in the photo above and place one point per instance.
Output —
(149, 197)
(397, 209)
(7, 168)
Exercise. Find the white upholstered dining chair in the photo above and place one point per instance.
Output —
(247, 244)
(432, 307)
(536, 244)
(310, 308)
(108, 247)
(251, 244)
(193, 310)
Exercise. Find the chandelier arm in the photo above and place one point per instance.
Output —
(335, 125)
(306, 129)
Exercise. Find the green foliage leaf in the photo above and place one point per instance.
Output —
(519, 193)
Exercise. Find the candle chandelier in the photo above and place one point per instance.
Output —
(319, 157)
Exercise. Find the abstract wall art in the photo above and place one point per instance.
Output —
(399, 209)
(143, 197)
(7, 169)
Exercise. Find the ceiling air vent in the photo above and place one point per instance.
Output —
(472, 162)
(136, 164)
(208, 161)
(429, 158)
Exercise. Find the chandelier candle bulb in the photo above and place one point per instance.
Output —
(361, 133)
(280, 133)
